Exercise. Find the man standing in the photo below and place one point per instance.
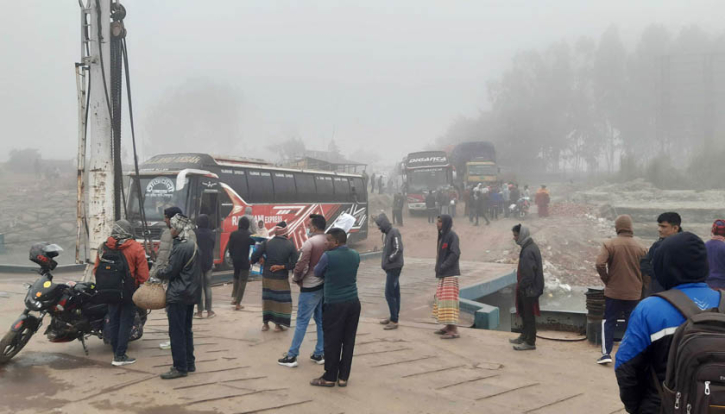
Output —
(529, 287)
(716, 255)
(248, 215)
(514, 196)
(392, 264)
(398, 209)
(506, 195)
(446, 305)
(341, 314)
(430, 205)
(239, 243)
(184, 274)
(372, 184)
(311, 293)
(668, 224)
(133, 263)
(542, 200)
(380, 184)
(680, 264)
(618, 267)
(205, 241)
(482, 202)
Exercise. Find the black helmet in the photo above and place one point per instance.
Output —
(43, 254)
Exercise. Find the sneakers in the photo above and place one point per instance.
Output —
(122, 360)
(288, 361)
(165, 345)
(516, 341)
(605, 359)
(173, 374)
(318, 359)
(384, 321)
(391, 326)
(524, 347)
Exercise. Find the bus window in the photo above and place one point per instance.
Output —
(324, 188)
(284, 188)
(260, 187)
(306, 191)
(342, 189)
(238, 182)
(361, 195)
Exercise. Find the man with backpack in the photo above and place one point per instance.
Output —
(120, 268)
(644, 360)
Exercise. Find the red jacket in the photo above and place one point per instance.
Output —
(135, 257)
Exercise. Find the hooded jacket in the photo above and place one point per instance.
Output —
(530, 269)
(205, 240)
(618, 263)
(449, 251)
(239, 243)
(392, 257)
(680, 263)
(183, 273)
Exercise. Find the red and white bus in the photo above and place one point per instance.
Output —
(424, 172)
(222, 188)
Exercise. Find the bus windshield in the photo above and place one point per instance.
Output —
(159, 194)
(426, 179)
(482, 169)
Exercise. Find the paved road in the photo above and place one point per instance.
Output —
(405, 371)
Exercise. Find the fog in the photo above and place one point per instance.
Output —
(380, 77)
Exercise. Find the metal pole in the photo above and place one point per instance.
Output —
(100, 210)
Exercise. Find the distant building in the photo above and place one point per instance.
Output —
(325, 161)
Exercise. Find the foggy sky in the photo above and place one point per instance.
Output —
(376, 73)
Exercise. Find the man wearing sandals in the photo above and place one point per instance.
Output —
(446, 305)
(341, 314)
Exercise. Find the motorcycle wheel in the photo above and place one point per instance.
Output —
(13, 342)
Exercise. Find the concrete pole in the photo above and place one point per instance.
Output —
(100, 210)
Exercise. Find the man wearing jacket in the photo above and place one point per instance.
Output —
(239, 243)
(668, 224)
(184, 274)
(446, 305)
(121, 315)
(311, 298)
(529, 287)
(618, 266)
(205, 240)
(680, 263)
(392, 264)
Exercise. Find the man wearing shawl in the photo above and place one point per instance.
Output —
(529, 286)
(280, 256)
(121, 315)
(542, 200)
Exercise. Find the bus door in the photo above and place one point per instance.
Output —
(215, 203)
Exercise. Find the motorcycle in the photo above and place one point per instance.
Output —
(520, 209)
(75, 310)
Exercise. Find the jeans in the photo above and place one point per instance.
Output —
(181, 317)
(120, 320)
(340, 323)
(240, 284)
(613, 308)
(205, 297)
(309, 306)
(392, 293)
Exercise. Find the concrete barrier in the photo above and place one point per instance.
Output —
(484, 316)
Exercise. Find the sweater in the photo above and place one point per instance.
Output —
(339, 269)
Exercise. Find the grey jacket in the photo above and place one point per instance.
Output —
(392, 257)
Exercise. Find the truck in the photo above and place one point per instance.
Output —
(474, 162)
(423, 172)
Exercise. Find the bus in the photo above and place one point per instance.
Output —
(223, 187)
(425, 171)
(475, 162)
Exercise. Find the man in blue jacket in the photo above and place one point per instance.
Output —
(679, 263)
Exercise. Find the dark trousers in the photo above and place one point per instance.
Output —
(481, 214)
(241, 276)
(392, 292)
(339, 323)
(398, 217)
(120, 321)
(205, 298)
(526, 309)
(182, 337)
(613, 309)
(432, 214)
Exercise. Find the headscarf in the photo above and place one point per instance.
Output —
(172, 211)
(182, 225)
(681, 259)
(623, 224)
(122, 231)
(279, 230)
(718, 230)
(524, 235)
